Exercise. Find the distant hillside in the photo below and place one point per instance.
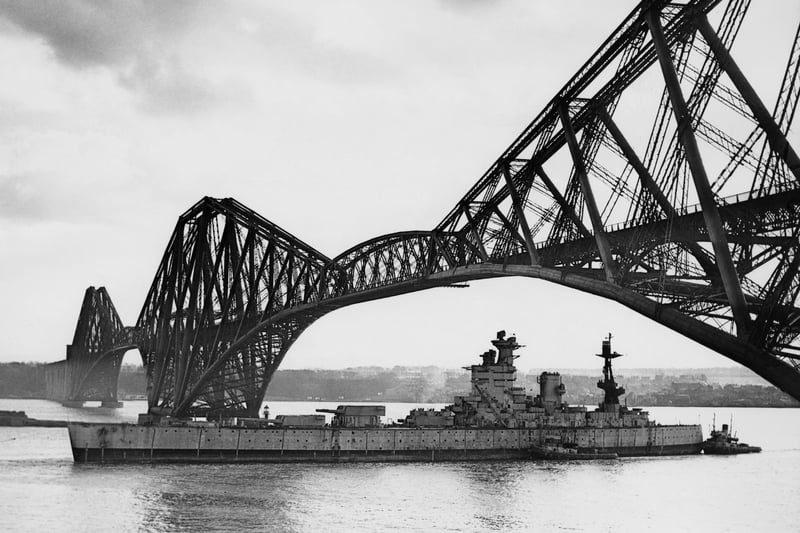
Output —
(645, 387)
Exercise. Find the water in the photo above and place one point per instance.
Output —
(41, 489)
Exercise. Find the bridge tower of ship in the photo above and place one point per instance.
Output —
(494, 379)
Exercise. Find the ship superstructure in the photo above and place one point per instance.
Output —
(496, 400)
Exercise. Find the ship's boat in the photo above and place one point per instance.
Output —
(496, 420)
(554, 449)
(722, 442)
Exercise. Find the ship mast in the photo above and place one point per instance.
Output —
(607, 384)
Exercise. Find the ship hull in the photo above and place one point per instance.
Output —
(730, 450)
(130, 443)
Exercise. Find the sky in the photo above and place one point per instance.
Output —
(338, 121)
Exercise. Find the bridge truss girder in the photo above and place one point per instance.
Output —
(98, 346)
(226, 269)
(411, 261)
(573, 200)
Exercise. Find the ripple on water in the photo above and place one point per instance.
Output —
(41, 489)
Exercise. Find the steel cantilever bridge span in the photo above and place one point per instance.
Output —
(693, 220)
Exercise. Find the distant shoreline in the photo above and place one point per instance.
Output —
(392, 400)
(685, 387)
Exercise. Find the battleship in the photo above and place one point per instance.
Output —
(497, 420)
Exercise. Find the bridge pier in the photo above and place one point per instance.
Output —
(77, 404)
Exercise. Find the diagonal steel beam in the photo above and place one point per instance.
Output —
(603, 247)
(507, 223)
(716, 232)
(652, 187)
(777, 140)
(474, 231)
(566, 208)
(520, 211)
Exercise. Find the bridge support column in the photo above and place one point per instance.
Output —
(713, 222)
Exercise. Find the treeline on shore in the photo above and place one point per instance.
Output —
(436, 385)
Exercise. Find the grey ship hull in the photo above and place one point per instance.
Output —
(130, 443)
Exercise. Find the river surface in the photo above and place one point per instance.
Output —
(42, 490)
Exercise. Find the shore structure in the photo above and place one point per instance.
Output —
(496, 421)
(21, 419)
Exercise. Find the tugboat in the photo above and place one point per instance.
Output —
(723, 443)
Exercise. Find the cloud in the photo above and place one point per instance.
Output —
(19, 199)
(302, 45)
(100, 32)
(469, 4)
(168, 86)
(138, 40)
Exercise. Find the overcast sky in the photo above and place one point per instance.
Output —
(338, 121)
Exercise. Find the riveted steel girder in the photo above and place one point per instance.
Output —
(234, 291)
